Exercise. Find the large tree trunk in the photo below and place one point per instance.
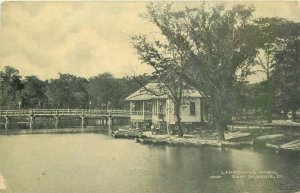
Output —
(294, 115)
(270, 99)
(178, 120)
(220, 130)
(178, 128)
(269, 108)
(219, 111)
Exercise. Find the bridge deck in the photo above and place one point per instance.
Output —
(64, 112)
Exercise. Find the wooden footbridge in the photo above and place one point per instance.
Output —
(58, 113)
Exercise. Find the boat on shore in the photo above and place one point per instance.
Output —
(125, 133)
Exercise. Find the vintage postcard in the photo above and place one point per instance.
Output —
(154, 97)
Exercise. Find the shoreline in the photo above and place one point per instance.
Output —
(214, 143)
(238, 140)
(278, 143)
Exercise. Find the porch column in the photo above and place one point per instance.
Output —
(143, 109)
(167, 115)
(152, 105)
(201, 110)
(157, 107)
(168, 131)
(130, 108)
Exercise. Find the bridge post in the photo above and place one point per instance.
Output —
(56, 120)
(82, 122)
(31, 121)
(104, 122)
(109, 122)
(7, 122)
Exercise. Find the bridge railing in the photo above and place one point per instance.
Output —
(64, 112)
(14, 112)
(119, 112)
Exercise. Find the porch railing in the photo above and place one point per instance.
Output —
(146, 113)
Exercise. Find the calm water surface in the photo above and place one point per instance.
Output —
(96, 163)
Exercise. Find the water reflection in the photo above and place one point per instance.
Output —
(190, 169)
(96, 163)
(63, 122)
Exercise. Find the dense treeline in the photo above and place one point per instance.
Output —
(67, 91)
(105, 91)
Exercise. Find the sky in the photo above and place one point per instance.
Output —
(88, 38)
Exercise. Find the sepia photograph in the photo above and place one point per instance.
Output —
(150, 96)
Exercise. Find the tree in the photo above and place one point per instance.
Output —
(10, 87)
(287, 77)
(132, 84)
(68, 91)
(135, 82)
(103, 90)
(34, 92)
(242, 100)
(272, 32)
(211, 49)
(261, 102)
(165, 68)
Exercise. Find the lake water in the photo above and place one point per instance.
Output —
(96, 163)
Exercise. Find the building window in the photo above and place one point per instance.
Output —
(192, 109)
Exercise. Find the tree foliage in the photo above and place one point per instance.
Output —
(106, 91)
(68, 91)
(10, 87)
(273, 35)
(33, 94)
(209, 48)
(287, 77)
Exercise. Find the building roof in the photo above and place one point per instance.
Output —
(150, 91)
(157, 91)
